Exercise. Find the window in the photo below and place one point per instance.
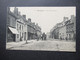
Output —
(17, 26)
(67, 27)
(71, 26)
(22, 34)
(60, 33)
(72, 29)
(17, 35)
(20, 27)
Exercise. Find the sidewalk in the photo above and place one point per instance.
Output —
(10, 45)
(62, 40)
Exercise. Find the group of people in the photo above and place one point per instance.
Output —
(42, 37)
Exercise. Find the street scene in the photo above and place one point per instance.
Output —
(43, 45)
(41, 28)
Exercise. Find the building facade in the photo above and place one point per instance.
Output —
(11, 26)
(66, 30)
(62, 33)
(34, 30)
(16, 25)
(71, 28)
(38, 31)
(19, 28)
(30, 28)
(62, 29)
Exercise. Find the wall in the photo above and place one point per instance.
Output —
(62, 33)
(12, 21)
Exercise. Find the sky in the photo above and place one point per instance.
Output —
(46, 17)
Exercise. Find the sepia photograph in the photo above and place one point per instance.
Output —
(41, 28)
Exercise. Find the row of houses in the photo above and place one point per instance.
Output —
(19, 28)
(65, 30)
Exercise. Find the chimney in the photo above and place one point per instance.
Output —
(37, 24)
(34, 23)
(65, 19)
(29, 19)
(72, 16)
(16, 11)
(24, 16)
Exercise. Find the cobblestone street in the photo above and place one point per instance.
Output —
(48, 45)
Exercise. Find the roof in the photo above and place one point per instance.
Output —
(12, 14)
(13, 30)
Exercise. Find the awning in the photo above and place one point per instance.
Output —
(13, 30)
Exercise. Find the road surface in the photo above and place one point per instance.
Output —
(48, 45)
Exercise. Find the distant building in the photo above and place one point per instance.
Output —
(71, 28)
(38, 31)
(66, 30)
(48, 35)
(62, 29)
(33, 30)
(55, 32)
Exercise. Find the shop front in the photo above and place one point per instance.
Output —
(11, 35)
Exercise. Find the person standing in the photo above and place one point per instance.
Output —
(37, 37)
(44, 36)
